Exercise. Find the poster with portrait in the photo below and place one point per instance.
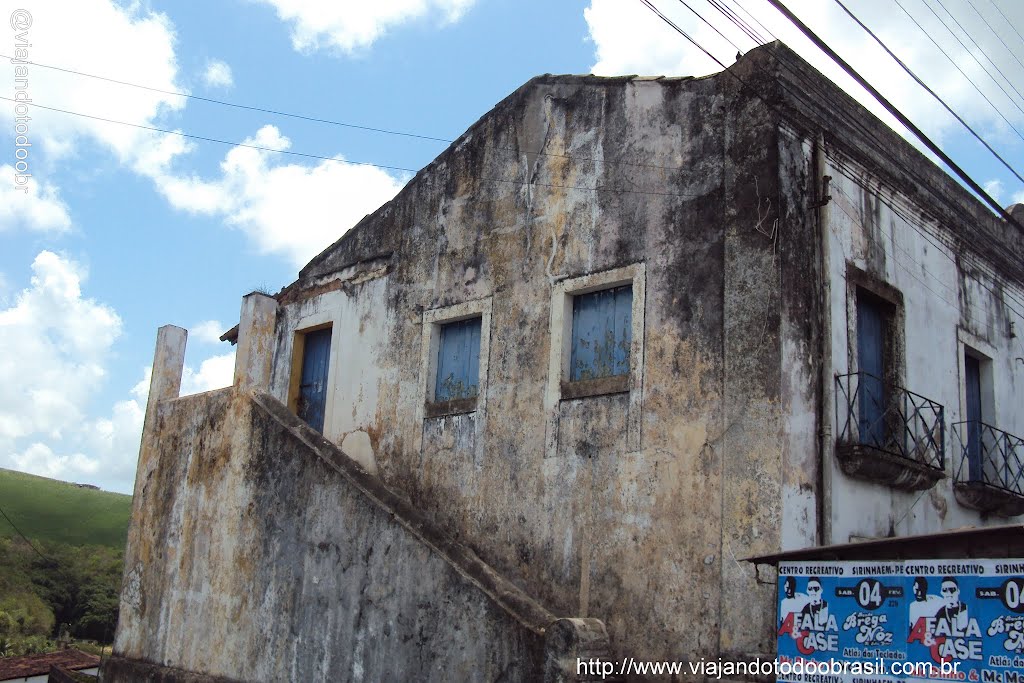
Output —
(969, 613)
(851, 612)
(918, 621)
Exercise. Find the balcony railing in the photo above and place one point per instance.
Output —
(989, 456)
(889, 419)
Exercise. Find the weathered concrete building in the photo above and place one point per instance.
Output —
(622, 334)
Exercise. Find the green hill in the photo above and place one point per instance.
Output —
(51, 510)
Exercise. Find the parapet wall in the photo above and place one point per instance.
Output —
(260, 552)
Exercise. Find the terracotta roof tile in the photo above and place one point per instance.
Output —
(35, 665)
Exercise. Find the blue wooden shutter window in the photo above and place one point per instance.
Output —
(458, 360)
(602, 331)
(972, 378)
(316, 356)
(871, 332)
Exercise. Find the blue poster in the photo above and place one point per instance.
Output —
(914, 620)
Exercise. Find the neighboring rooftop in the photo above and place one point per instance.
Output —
(25, 666)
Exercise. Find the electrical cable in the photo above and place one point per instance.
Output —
(757, 21)
(1007, 20)
(930, 91)
(713, 27)
(683, 33)
(935, 149)
(972, 56)
(727, 12)
(314, 119)
(996, 33)
(225, 103)
(881, 149)
(23, 537)
(307, 155)
(980, 49)
(962, 72)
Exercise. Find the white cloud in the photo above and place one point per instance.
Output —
(218, 75)
(123, 42)
(208, 332)
(629, 38)
(32, 206)
(215, 372)
(40, 459)
(349, 26)
(994, 188)
(287, 209)
(55, 344)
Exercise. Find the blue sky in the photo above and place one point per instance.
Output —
(122, 229)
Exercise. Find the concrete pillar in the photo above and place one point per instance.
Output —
(168, 364)
(255, 342)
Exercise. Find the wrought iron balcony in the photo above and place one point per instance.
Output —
(888, 434)
(990, 471)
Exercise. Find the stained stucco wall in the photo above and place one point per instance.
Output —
(259, 553)
(634, 507)
(949, 301)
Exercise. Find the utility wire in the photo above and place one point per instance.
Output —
(761, 40)
(235, 105)
(728, 13)
(1007, 20)
(996, 33)
(216, 140)
(307, 155)
(713, 27)
(935, 149)
(976, 60)
(23, 537)
(881, 149)
(331, 122)
(980, 49)
(962, 72)
(683, 33)
(930, 91)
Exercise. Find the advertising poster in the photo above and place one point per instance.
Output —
(912, 620)
(846, 612)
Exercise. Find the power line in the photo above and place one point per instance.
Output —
(216, 140)
(314, 119)
(23, 537)
(683, 33)
(713, 27)
(996, 33)
(962, 72)
(728, 13)
(929, 90)
(980, 49)
(225, 103)
(761, 40)
(307, 155)
(850, 71)
(976, 60)
(880, 149)
(1007, 20)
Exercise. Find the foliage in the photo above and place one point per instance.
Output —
(52, 510)
(51, 589)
